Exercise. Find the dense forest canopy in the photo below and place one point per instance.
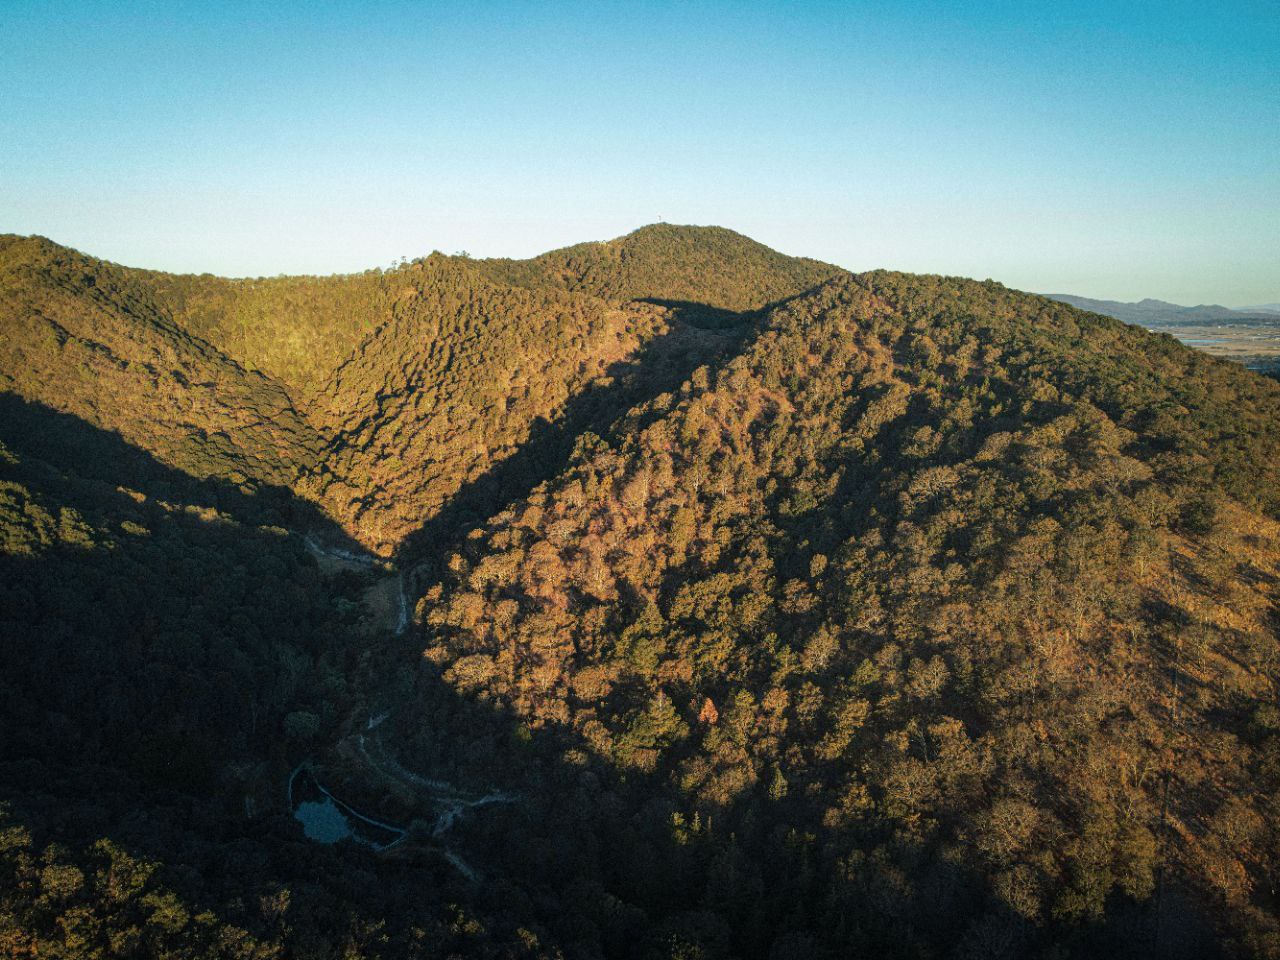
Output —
(759, 609)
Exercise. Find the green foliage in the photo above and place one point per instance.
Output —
(95, 340)
(806, 614)
(301, 725)
(710, 269)
(893, 541)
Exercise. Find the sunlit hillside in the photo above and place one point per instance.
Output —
(660, 597)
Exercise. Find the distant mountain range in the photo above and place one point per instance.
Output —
(1150, 311)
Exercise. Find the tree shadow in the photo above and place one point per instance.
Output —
(662, 366)
(157, 630)
(116, 560)
(146, 679)
(72, 447)
(707, 317)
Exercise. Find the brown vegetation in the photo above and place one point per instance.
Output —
(808, 613)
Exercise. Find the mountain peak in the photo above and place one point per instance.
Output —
(712, 266)
(663, 228)
(942, 557)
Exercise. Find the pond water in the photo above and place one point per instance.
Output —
(326, 819)
(322, 821)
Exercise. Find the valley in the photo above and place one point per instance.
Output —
(661, 596)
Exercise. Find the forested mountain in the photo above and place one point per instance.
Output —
(760, 610)
(90, 339)
(704, 266)
(892, 611)
(417, 381)
(461, 376)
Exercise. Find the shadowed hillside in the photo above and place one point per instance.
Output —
(171, 651)
(761, 610)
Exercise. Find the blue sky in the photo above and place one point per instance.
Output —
(1106, 149)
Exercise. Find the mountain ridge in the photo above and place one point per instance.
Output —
(789, 612)
(1150, 310)
(307, 335)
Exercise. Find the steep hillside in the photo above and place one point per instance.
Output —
(297, 329)
(480, 359)
(762, 610)
(89, 339)
(466, 373)
(942, 614)
(419, 383)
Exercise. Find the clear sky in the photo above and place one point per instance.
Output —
(1100, 148)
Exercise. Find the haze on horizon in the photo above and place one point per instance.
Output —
(1110, 150)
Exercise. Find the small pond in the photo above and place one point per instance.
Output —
(326, 819)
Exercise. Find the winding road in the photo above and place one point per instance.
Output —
(326, 817)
